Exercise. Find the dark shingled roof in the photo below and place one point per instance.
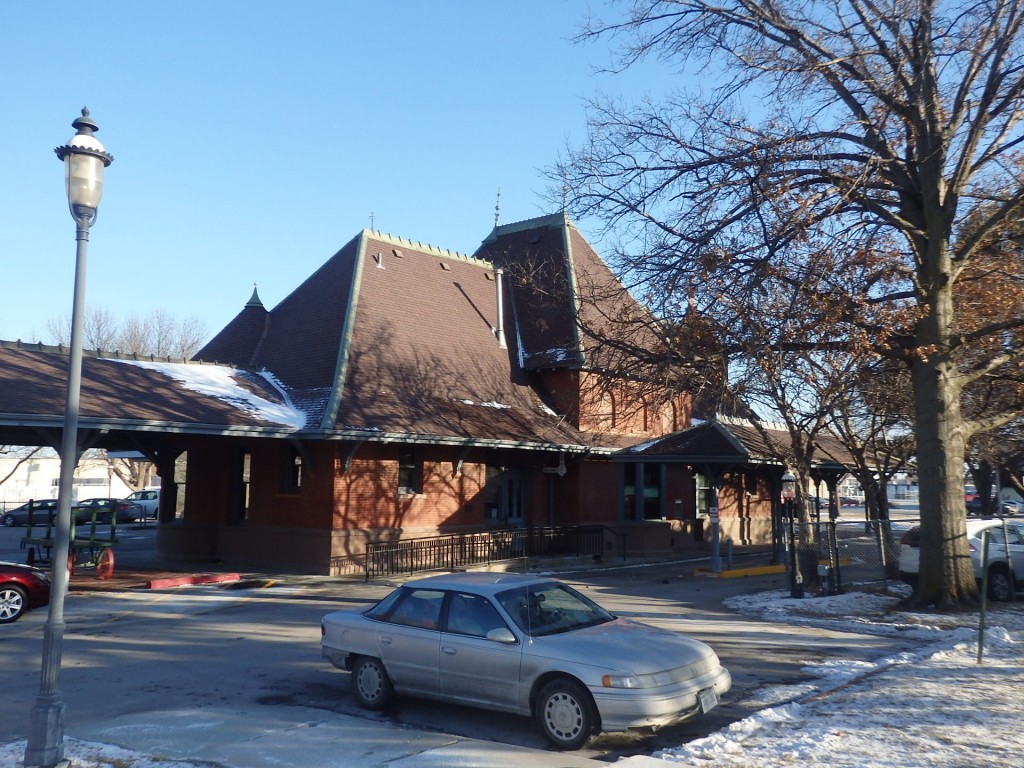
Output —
(733, 442)
(389, 339)
(399, 338)
(566, 302)
(117, 392)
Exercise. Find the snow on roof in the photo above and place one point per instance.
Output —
(220, 381)
(485, 405)
(644, 446)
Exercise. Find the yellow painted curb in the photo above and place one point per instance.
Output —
(738, 573)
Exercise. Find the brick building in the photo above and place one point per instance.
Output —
(401, 391)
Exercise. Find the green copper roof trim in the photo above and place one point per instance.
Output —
(551, 221)
(574, 289)
(341, 368)
(401, 242)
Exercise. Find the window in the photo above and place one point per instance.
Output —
(418, 608)
(629, 491)
(652, 492)
(472, 615)
(180, 483)
(703, 495)
(291, 480)
(408, 470)
(642, 491)
(492, 491)
(240, 493)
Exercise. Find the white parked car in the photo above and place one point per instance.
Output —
(148, 501)
(1005, 555)
(523, 644)
(1012, 507)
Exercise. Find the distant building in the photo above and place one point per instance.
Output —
(36, 477)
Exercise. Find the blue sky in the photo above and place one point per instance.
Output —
(253, 139)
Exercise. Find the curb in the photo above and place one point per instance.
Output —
(179, 581)
(739, 573)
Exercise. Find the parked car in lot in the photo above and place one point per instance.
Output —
(1005, 555)
(1013, 507)
(83, 511)
(523, 644)
(22, 588)
(105, 509)
(41, 510)
(974, 503)
(148, 501)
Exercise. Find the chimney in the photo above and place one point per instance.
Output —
(500, 330)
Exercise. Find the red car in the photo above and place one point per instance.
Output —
(22, 588)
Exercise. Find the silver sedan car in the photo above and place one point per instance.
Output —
(523, 644)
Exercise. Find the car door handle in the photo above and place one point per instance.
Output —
(448, 649)
(386, 639)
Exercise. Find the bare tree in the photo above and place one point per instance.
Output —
(868, 132)
(136, 333)
(159, 333)
(20, 453)
(135, 473)
(99, 330)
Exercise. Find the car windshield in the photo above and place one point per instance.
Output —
(551, 608)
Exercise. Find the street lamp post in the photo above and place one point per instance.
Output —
(84, 160)
(796, 586)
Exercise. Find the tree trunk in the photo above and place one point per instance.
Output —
(946, 578)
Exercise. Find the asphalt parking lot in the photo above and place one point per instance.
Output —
(253, 642)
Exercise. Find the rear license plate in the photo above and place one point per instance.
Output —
(708, 699)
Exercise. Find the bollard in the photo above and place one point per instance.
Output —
(984, 593)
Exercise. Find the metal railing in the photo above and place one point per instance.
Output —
(464, 549)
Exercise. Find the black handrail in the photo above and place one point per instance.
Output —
(484, 547)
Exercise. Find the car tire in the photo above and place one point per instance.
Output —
(371, 684)
(13, 603)
(1000, 584)
(9, 521)
(565, 714)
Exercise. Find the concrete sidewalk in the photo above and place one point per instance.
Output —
(284, 738)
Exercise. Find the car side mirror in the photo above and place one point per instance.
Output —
(501, 635)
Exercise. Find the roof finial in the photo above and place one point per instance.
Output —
(254, 300)
(565, 191)
(373, 220)
(497, 208)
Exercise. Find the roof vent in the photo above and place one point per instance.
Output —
(445, 267)
(500, 330)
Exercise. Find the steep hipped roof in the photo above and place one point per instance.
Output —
(566, 302)
(396, 338)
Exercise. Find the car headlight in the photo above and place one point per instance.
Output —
(621, 681)
(658, 679)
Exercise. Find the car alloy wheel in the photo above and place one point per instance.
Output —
(13, 603)
(1000, 584)
(564, 713)
(9, 521)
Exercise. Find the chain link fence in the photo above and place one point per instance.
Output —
(848, 552)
